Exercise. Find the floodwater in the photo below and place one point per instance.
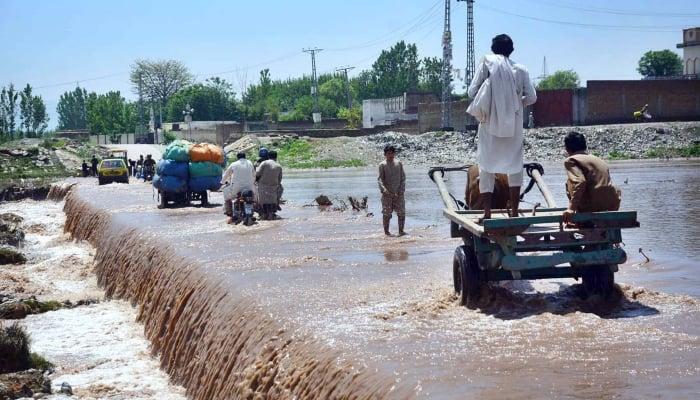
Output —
(385, 305)
(98, 349)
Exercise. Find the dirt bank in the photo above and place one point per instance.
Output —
(652, 140)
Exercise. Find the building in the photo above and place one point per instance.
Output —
(385, 112)
(691, 51)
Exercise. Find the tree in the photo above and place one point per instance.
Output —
(8, 110)
(565, 79)
(212, 101)
(26, 108)
(396, 70)
(40, 118)
(334, 89)
(109, 114)
(72, 110)
(159, 80)
(660, 63)
(431, 75)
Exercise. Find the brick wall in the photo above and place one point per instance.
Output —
(615, 101)
(430, 116)
(553, 108)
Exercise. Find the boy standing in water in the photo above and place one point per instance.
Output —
(588, 184)
(392, 185)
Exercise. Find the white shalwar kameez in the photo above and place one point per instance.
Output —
(500, 148)
(241, 176)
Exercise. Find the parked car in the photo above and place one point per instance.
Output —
(112, 170)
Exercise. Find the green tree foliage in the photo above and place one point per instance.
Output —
(159, 80)
(353, 116)
(212, 101)
(431, 75)
(32, 113)
(564, 79)
(8, 111)
(660, 63)
(109, 114)
(72, 110)
(396, 70)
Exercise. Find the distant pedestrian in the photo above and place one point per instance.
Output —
(392, 185)
(94, 163)
(86, 169)
(139, 166)
(130, 166)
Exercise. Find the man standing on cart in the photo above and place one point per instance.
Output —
(499, 92)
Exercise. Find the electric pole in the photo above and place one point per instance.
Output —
(314, 82)
(347, 83)
(446, 70)
(544, 70)
(471, 68)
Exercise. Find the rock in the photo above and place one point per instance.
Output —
(23, 384)
(14, 310)
(11, 256)
(23, 191)
(11, 233)
(323, 200)
(66, 389)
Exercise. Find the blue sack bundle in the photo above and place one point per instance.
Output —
(170, 184)
(179, 169)
(202, 183)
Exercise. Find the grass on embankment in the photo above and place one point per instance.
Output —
(302, 154)
(689, 151)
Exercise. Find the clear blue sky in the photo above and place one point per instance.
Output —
(47, 43)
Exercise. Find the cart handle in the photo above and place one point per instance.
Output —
(442, 170)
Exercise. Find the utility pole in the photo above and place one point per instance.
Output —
(347, 83)
(471, 64)
(544, 69)
(314, 82)
(446, 70)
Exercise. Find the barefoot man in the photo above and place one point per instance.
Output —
(499, 91)
(392, 185)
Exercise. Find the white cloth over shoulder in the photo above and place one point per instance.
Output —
(500, 148)
(241, 176)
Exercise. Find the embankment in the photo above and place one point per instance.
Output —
(215, 342)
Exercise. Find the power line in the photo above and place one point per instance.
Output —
(79, 80)
(600, 10)
(633, 28)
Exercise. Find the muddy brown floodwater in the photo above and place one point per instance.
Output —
(321, 304)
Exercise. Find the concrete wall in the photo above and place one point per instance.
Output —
(430, 116)
(616, 101)
(373, 113)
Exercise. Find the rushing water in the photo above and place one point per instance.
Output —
(270, 308)
(98, 349)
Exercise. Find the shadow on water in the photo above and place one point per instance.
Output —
(504, 303)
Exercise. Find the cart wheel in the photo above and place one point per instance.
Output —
(205, 198)
(467, 276)
(598, 280)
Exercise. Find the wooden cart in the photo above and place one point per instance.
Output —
(536, 245)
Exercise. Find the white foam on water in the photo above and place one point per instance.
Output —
(100, 350)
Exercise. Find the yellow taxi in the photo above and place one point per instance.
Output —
(112, 170)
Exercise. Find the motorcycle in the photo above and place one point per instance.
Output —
(148, 172)
(243, 208)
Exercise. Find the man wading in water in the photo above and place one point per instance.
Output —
(392, 185)
(500, 89)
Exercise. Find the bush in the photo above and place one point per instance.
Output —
(14, 349)
(353, 116)
(169, 137)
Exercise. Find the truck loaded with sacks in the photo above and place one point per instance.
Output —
(187, 171)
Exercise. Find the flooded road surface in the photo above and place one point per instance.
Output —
(386, 305)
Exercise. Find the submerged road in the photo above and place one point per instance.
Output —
(386, 304)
